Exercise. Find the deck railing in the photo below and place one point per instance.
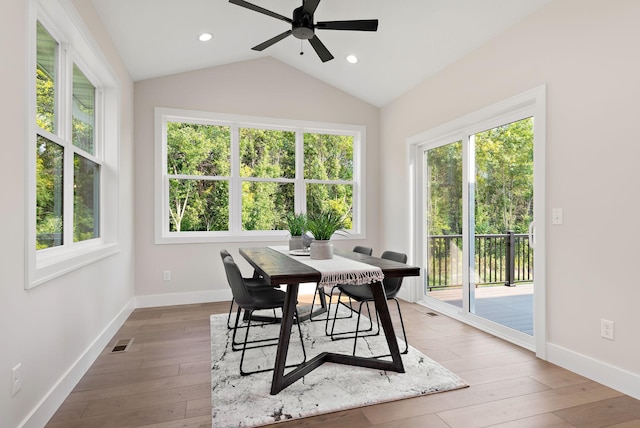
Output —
(499, 259)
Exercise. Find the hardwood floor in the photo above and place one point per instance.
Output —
(163, 381)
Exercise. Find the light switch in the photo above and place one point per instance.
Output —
(556, 216)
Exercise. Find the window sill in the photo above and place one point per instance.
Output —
(208, 237)
(54, 263)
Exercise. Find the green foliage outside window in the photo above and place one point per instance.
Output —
(46, 59)
(503, 201)
(444, 166)
(205, 151)
(200, 176)
(86, 200)
(83, 111)
(329, 157)
(503, 182)
(504, 178)
(49, 194)
(267, 153)
(50, 154)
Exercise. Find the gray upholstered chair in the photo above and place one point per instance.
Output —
(256, 282)
(250, 300)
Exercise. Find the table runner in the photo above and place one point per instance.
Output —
(339, 270)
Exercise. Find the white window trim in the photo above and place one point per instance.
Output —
(63, 21)
(164, 115)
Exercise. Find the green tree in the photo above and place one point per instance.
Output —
(198, 150)
(504, 178)
(267, 169)
(266, 154)
(444, 171)
(329, 157)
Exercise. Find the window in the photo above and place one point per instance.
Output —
(73, 100)
(223, 177)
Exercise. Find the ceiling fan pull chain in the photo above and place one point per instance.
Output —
(301, 48)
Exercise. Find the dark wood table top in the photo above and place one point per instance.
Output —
(280, 268)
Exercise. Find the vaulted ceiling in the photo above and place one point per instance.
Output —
(415, 38)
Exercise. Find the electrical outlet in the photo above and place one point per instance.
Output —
(607, 329)
(166, 275)
(16, 379)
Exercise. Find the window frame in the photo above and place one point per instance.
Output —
(163, 235)
(76, 47)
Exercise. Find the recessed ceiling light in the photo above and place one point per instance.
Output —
(352, 59)
(205, 37)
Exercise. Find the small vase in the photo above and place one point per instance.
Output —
(321, 250)
(295, 243)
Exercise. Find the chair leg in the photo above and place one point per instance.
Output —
(229, 317)
(229, 326)
(235, 330)
(355, 337)
(349, 334)
(313, 301)
(304, 352)
(370, 328)
(404, 333)
(235, 345)
(245, 348)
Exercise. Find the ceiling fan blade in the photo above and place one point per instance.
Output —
(310, 6)
(358, 25)
(261, 10)
(320, 49)
(262, 46)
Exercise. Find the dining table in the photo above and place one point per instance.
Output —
(280, 268)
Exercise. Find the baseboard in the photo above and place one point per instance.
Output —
(170, 299)
(606, 374)
(53, 399)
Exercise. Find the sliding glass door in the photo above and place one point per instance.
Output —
(477, 193)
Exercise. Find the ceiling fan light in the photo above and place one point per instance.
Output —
(352, 59)
(205, 37)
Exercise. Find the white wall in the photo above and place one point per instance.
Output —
(263, 87)
(586, 53)
(49, 328)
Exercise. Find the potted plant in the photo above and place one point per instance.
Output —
(297, 225)
(323, 226)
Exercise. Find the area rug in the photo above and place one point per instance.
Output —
(244, 401)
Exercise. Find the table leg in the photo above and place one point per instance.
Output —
(288, 312)
(382, 307)
(280, 381)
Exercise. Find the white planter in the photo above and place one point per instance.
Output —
(295, 243)
(321, 250)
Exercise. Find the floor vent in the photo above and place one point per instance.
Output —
(432, 314)
(121, 346)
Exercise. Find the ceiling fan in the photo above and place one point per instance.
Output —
(303, 28)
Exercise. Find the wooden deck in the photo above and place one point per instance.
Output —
(509, 306)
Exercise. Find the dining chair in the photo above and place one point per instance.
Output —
(256, 282)
(363, 295)
(321, 294)
(250, 300)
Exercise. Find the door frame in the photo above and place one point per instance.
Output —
(529, 103)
